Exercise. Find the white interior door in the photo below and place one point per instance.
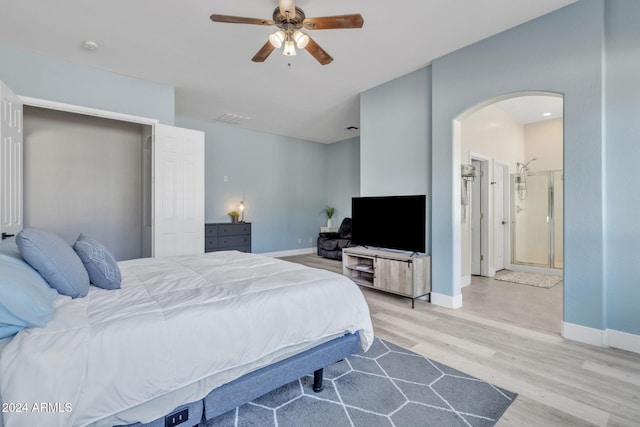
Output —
(11, 149)
(475, 222)
(480, 213)
(500, 218)
(178, 191)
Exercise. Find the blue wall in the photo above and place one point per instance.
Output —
(343, 175)
(40, 76)
(282, 181)
(395, 120)
(395, 123)
(622, 110)
(560, 52)
(565, 52)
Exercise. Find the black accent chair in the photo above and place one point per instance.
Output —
(330, 244)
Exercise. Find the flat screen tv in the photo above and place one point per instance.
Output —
(390, 222)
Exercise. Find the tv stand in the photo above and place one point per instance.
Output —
(397, 273)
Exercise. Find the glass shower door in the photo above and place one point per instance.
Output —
(558, 219)
(531, 219)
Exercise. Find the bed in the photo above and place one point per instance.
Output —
(202, 332)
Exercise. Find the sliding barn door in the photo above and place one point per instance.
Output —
(178, 191)
(11, 148)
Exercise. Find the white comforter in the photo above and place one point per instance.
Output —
(175, 321)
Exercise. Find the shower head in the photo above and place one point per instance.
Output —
(523, 167)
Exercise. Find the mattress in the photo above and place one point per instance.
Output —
(179, 327)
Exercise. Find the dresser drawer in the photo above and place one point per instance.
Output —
(210, 242)
(233, 229)
(233, 241)
(210, 231)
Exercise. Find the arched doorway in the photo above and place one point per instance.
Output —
(511, 205)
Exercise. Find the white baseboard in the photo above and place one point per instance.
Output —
(446, 301)
(584, 334)
(623, 340)
(601, 338)
(292, 252)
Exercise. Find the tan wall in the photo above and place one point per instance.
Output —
(543, 140)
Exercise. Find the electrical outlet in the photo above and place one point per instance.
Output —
(310, 239)
(299, 241)
(225, 178)
(176, 418)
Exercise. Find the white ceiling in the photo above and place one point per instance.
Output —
(532, 108)
(174, 42)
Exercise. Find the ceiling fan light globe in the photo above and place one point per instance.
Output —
(302, 40)
(276, 39)
(289, 48)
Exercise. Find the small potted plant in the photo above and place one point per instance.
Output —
(329, 211)
(234, 216)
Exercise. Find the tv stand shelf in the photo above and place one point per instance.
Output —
(394, 272)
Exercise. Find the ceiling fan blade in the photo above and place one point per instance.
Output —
(317, 52)
(334, 22)
(240, 20)
(264, 52)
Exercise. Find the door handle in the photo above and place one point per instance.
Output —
(504, 222)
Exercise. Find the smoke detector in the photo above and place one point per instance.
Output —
(90, 45)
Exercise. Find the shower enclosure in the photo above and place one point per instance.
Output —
(536, 219)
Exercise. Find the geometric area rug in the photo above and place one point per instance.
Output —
(387, 386)
(540, 280)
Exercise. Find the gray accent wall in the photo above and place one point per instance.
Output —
(84, 174)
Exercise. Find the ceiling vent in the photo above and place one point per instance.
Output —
(233, 119)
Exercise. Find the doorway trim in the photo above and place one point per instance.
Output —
(87, 111)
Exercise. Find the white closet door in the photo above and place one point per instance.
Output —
(500, 215)
(11, 147)
(178, 191)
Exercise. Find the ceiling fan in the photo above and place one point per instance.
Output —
(290, 19)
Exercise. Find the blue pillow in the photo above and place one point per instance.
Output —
(55, 260)
(100, 264)
(25, 297)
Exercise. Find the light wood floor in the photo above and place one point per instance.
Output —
(509, 335)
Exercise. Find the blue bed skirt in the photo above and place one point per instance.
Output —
(257, 383)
